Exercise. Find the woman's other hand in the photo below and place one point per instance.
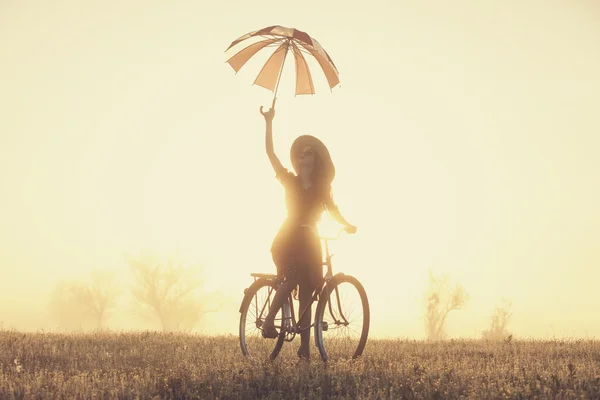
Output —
(350, 228)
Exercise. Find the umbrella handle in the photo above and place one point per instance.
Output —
(272, 106)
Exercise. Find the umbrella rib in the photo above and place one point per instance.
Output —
(306, 49)
(305, 46)
(274, 44)
(275, 39)
(303, 50)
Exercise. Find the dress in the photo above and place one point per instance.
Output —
(296, 250)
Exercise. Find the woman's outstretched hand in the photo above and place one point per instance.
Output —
(269, 115)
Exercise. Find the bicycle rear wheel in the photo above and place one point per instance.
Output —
(254, 309)
(342, 319)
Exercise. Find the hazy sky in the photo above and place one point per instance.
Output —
(465, 137)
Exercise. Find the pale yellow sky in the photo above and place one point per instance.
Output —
(464, 135)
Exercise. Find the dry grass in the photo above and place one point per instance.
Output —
(156, 365)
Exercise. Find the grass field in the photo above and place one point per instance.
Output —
(156, 365)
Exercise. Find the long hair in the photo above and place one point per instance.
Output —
(320, 181)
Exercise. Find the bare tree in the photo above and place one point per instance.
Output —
(498, 323)
(80, 304)
(171, 293)
(441, 300)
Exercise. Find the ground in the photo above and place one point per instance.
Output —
(150, 365)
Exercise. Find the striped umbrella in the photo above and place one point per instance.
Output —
(284, 40)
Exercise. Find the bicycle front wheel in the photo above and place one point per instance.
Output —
(254, 309)
(342, 319)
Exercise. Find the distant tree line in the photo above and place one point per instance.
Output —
(169, 294)
(172, 296)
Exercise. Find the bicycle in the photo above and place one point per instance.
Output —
(330, 322)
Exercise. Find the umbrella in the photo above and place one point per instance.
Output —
(284, 40)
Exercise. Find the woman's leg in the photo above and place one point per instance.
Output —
(279, 299)
(305, 297)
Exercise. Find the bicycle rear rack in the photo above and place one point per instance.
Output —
(262, 275)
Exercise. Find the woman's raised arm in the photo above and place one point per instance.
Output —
(269, 115)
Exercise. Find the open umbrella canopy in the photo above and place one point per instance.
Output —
(283, 40)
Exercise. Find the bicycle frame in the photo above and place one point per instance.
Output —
(289, 323)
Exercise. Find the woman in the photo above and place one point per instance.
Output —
(296, 249)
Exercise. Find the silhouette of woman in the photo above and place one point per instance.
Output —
(296, 250)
